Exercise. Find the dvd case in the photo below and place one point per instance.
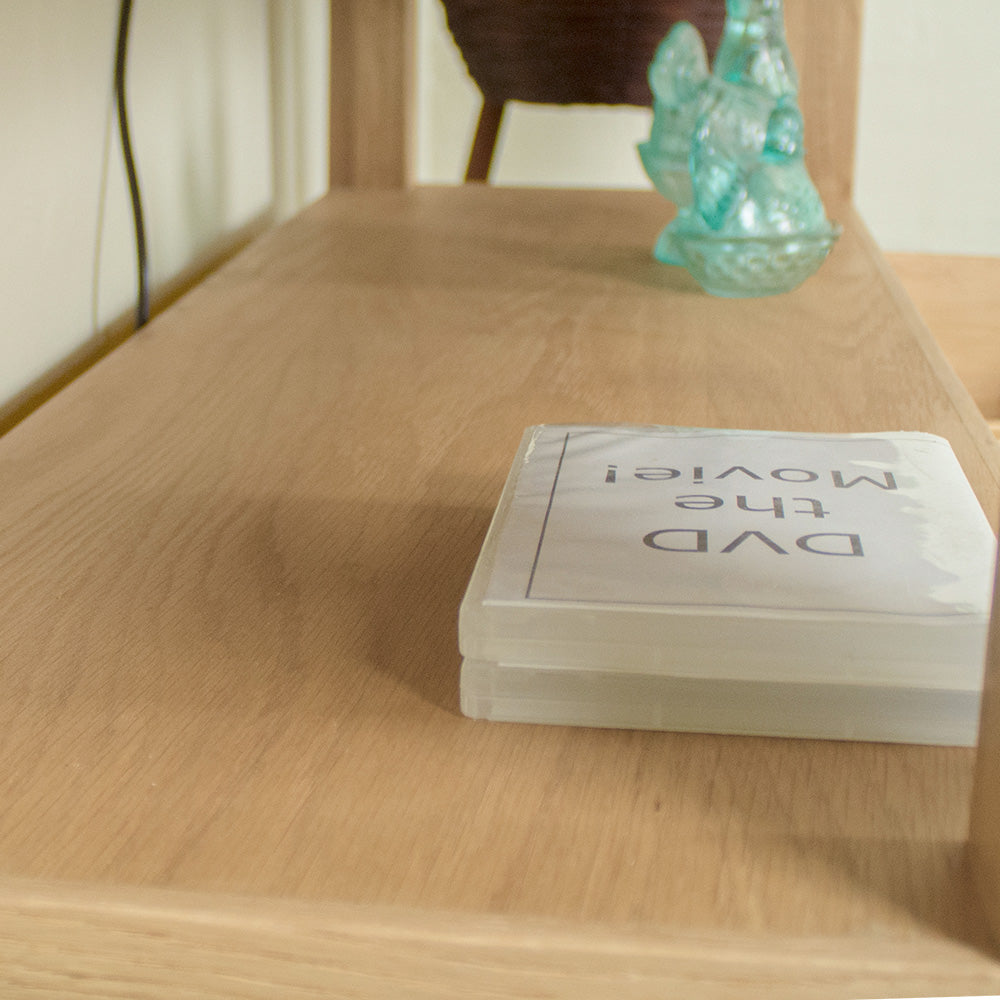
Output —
(832, 586)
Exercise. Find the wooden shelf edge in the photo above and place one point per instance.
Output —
(984, 822)
(165, 942)
(986, 438)
(984, 832)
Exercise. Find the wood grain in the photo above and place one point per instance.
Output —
(232, 559)
(984, 831)
(168, 944)
(959, 300)
(825, 40)
(372, 53)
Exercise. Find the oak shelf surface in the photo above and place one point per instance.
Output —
(959, 299)
(233, 553)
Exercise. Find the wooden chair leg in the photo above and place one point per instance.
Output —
(481, 155)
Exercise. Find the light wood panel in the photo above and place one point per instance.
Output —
(959, 299)
(372, 53)
(166, 944)
(825, 39)
(984, 833)
(232, 558)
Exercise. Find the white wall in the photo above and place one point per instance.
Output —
(928, 166)
(928, 163)
(201, 74)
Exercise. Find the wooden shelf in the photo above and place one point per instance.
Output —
(233, 761)
(959, 299)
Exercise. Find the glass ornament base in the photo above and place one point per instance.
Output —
(738, 267)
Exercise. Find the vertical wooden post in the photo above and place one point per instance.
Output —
(372, 59)
(825, 39)
(984, 827)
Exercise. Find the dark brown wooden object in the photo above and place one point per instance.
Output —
(564, 52)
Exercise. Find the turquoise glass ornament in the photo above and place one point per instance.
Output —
(726, 147)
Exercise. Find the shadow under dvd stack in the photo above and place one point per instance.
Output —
(741, 582)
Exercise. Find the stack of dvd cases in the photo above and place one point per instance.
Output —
(751, 582)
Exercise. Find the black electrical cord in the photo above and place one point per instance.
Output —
(142, 307)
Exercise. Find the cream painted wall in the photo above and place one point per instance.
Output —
(928, 163)
(54, 86)
(928, 166)
(227, 102)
